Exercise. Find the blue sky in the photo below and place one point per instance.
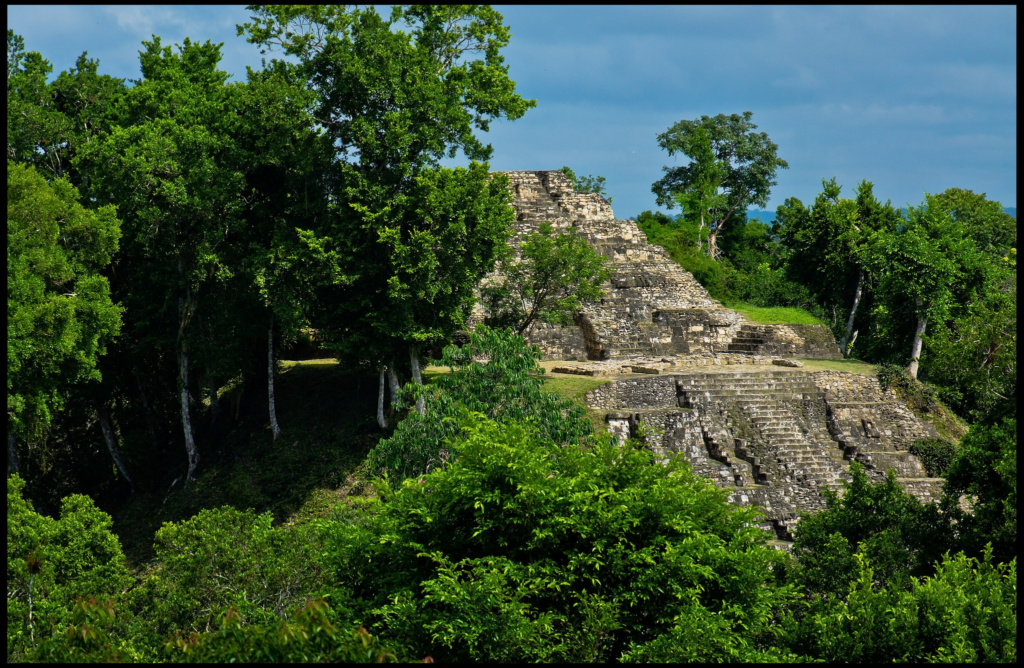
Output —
(915, 99)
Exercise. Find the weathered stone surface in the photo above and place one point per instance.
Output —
(778, 436)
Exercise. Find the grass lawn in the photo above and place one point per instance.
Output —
(775, 315)
(849, 366)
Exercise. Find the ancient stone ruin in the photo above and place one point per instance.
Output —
(727, 394)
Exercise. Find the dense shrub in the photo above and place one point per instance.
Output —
(53, 562)
(901, 537)
(506, 388)
(225, 558)
(309, 636)
(965, 612)
(525, 550)
(936, 454)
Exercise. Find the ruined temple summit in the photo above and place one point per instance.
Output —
(727, 394)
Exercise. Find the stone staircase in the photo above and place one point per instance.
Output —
(748, 340)
(773, 438)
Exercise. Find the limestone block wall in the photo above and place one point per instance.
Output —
(771, 436)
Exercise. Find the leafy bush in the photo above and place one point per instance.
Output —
(229, 558)
(521, 549)
(901, 537)
(310, 636)
(506, 388)
(52, 562)
(965, 612)
(936, 454)
(985, 470)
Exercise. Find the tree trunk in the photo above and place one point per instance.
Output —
(186, 415)
(380, 398)
(393, 381)
(108, 436)
(270, 383)
(915, 350)
(12, 454)
(414, 361)
(853, 312)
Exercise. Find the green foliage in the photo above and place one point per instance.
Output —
(60, 316)
(730, 169)
(587, 184)
(936, 454)
(310, 636)
(965, 612)
(901, 537)
(551, 280)
(229, 558)
(50, 562)
(406, 240)
(985, 469)
(925, 269)
(523, 549)
(506, 388)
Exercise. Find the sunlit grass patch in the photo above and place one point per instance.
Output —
(775, 315)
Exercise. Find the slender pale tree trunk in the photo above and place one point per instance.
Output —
(274, 427)
(393, 382)
(853, 311)
(414, 362)
(111, 439)
(186, 414)
(184, 314)
(915, 350)
(12, 454)
(382, 369)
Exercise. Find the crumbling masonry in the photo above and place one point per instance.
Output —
(725, 393)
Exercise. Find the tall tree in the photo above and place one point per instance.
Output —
(828, 246)
(47, 122)
(926, 261)
(172, 168)
(406, 239)
(730, 168)
(60, 316)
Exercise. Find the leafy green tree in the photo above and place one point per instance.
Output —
(972, 356)
(173, 169)
(524, 549)
(47, 122)
(587, 184)
(506, 388)
(828, 246)
(554, 276)
(60, 316)
(408, 240)
(985, 221)
(985, 471)
(51, 561)
(927, 262)
(730, 169)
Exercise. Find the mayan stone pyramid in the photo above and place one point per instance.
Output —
(725, 393)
